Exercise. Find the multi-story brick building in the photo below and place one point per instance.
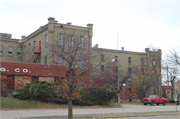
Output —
(34, 48)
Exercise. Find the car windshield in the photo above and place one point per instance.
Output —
(152, 96)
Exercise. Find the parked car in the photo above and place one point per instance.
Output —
(155, 99)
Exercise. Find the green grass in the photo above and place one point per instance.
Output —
(8, 103)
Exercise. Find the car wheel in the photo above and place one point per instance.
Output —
(145, 103)
(152, 103)
(157, 103)
(164, 103)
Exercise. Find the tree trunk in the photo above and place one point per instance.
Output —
(70, 113)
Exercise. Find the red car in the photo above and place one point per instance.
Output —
(155, 99)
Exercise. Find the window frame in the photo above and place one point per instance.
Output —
(81, 43)
(46, 40)
(24, 51)
(129, 70)
(71, 41)
(129, 60)
(29, 48)
(102, 68)
(142, 61)
(1, 49)
(45, 60)
(60, 62)
(60, 35)
(102, 57)
(81, 62)
(10, 52)
(19, 53)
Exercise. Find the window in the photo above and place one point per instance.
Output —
(29, 49)
(81, 65)
(60, 39)
(45, 60)
(70, 60)
(35, 78)
(57, 80)
(102, 57)
(142, 70)
(24, 51)
(154, 63)
(71, 41)
(10, 50)
(129, 60)
(19, 50)
(46, 40)
(60, 60)
(81, 42)
(1, 49)
(34, 45)
(116, 58)
(39, 60)
(142, 61)
(102, 68)
(129, 69)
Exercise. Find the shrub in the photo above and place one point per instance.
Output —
(96, 96)
(46, 92)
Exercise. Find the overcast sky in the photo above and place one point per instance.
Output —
(138, 24)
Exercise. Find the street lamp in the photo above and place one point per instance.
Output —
(113, 60)
(124, 91)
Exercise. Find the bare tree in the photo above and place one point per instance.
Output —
(143, 81)
(170, 66)
(153, 64)
(73, 51)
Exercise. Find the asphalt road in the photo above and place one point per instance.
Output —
(90, 112)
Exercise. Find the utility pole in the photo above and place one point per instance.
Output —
(118, 69)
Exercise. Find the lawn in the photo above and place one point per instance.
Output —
(9, 103)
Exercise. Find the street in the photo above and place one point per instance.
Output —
(90, 112)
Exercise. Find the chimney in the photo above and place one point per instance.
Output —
(159, 50)
(51, 20)
(147, 49)
(122, 48)
(23, 37)
(96, 46)
(69, 23)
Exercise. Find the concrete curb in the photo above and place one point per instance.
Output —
(140, 115)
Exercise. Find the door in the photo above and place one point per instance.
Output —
(10, 84)
(40, 46)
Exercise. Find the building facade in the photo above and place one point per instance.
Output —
(35, 48)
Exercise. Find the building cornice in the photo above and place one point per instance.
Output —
(119, 51)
